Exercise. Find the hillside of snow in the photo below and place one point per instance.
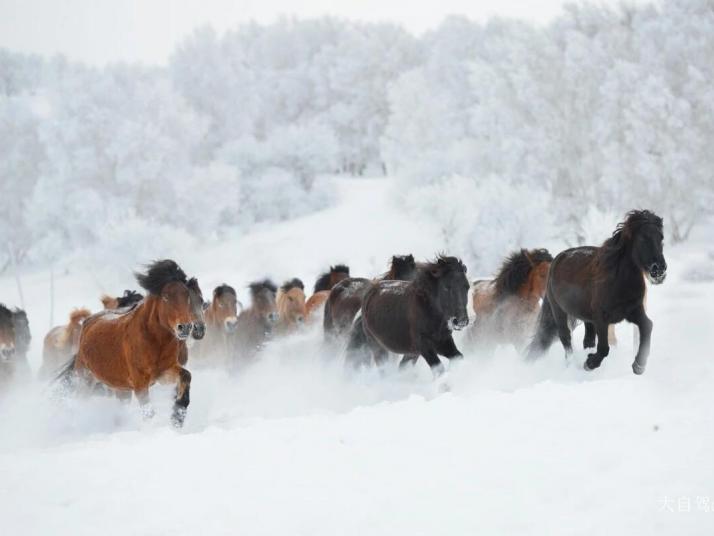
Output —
(299, 445)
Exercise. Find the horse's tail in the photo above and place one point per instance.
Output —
(66, 373)
(546, 331)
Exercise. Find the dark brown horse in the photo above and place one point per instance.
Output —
(256, 323)
(507, 307)
(290, 304)
(17, 367)
(130, 350)
(602, 286)
(415, 317)
(8, 342)
(345, 298)
(130, 297)
(323, 285)
(221, 317)
(61, 343)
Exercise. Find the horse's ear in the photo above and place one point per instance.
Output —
(528, 257)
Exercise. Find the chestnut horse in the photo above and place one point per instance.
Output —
(414, 317)
(603, 286)
(507, 307)
(345, 298)
(61, 343)
(130, 350)
(323, 285)
(256, 323)
(221, 320)
(130, 297)
(290, 303)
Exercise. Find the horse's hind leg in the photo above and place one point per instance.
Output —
(589, 339)
(561, 322)
(603, 348)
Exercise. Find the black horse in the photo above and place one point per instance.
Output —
(414, 317)
(602, 286)
(345, 298)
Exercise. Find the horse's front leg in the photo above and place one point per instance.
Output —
(142, 395)
(644, 324)
(182, 378)
(603, 348)
(447, 348)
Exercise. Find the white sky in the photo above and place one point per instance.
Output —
(97, 31)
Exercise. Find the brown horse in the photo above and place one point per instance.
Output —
(221, 320)
(256, 323)
(507, 307)
(603, 286)
(130, 297)
(8, 341)
(323, 285)
(130, 350)
(345, 298)
(415, 317)
(290, 303)
(61, 343)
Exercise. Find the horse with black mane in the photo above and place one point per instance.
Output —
(323, 285)
(415, 317)
(345, 298)
(129, 350)
(507, 306)
(255, 324)
(603, 286)
(14, 341)
(130, 297)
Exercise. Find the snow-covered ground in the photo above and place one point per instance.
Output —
(296, 445)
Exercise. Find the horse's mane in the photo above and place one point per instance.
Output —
(129, 297)
(516, 268)
(323, 281)
(220, 290)
(258, 286)
(291, 284)
(441, 261)
(159, 274)
(5, 315)
(19, 313)
(398, 259)
(611, 249)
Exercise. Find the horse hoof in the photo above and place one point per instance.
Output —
(638, 369)
(147, 412)
(591, 363)
(178, 417)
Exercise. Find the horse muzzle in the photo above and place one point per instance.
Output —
(230, 324)
(198, 331)
(656, 273)
(183, 331)
(456, 324)
(6, 352)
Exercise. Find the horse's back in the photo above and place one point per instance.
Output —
(571, 279)
(482, 295)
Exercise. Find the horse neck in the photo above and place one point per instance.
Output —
(427, 287)
(146, 315)
(527, 291)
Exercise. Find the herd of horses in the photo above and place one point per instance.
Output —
(411, 310)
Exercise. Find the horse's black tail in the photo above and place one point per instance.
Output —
(546, 331)
(66, 374)
(357, 352)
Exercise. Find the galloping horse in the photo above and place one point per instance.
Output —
(602, 286)
(221, 321)
(507, 307)
(8, 342)
(130, 297)
(291, 307)
(130, 350)
(323, 285)
(255, 324)
(61, 343)
(415, 317)
(345, 298)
